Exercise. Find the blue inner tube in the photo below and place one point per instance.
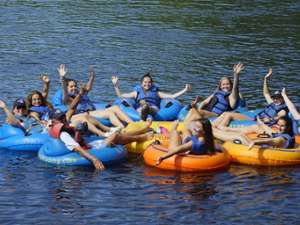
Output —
(7, 131)
(128, 106)
(56, 153)
(169, 109)
(21, 142)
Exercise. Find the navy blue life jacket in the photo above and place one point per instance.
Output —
(271, 111)
(43, 111)
(29, 125)
(219, 103)
(84, 105)
(290, 141)
(198, 147)
(151, 96)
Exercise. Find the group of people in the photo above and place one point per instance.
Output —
(36, 114)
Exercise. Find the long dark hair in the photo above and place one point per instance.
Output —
(35, 92)
(289, 127)
(208, 135)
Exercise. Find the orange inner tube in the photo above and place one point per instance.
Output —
(186, 162)
(297, 139)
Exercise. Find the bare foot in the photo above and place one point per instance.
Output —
(146, 137)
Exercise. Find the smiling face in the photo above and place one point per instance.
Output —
(225, 85)
(282, 126)
(36, 100)
(278, 100)
(146, 83)
(72, 87)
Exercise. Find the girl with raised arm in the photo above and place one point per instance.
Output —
(275, 109)
(147, 95)
(116, 116)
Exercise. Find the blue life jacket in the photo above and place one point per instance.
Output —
(219, 103)
(198, 147)
(30, 125)
(151, 96)
(271, 111)
(43, 111)
(84, 105)
(290, 141)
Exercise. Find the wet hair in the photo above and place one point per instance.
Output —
(35, 92)
(208, 135)
(220, 81)
(147, 75)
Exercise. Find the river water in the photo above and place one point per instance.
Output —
(179, 42)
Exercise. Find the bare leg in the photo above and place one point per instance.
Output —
(123, 139)
(121, 115)
(226, 118)
(108, 115)
(76, 119)
(244, 130)
(97, 123)
(231, 136)
(175, 138)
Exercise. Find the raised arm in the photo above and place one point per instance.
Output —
(290, 105)
(62, 75)
(46, 85)
(187, 87)
(90, 82)
(10, 118)
(266, 88)
(205, 102)
(75, 101)
(233, 97)
(115, 81)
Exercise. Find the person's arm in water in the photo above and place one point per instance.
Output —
(10, 118)
(62, 74)
(266, 88)
(233, 97)
(96, 162)
(179, 149)
(69, 140)
(187, 87)
(90, 82)
(290, 105)
(115, 81)
(46, 85)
